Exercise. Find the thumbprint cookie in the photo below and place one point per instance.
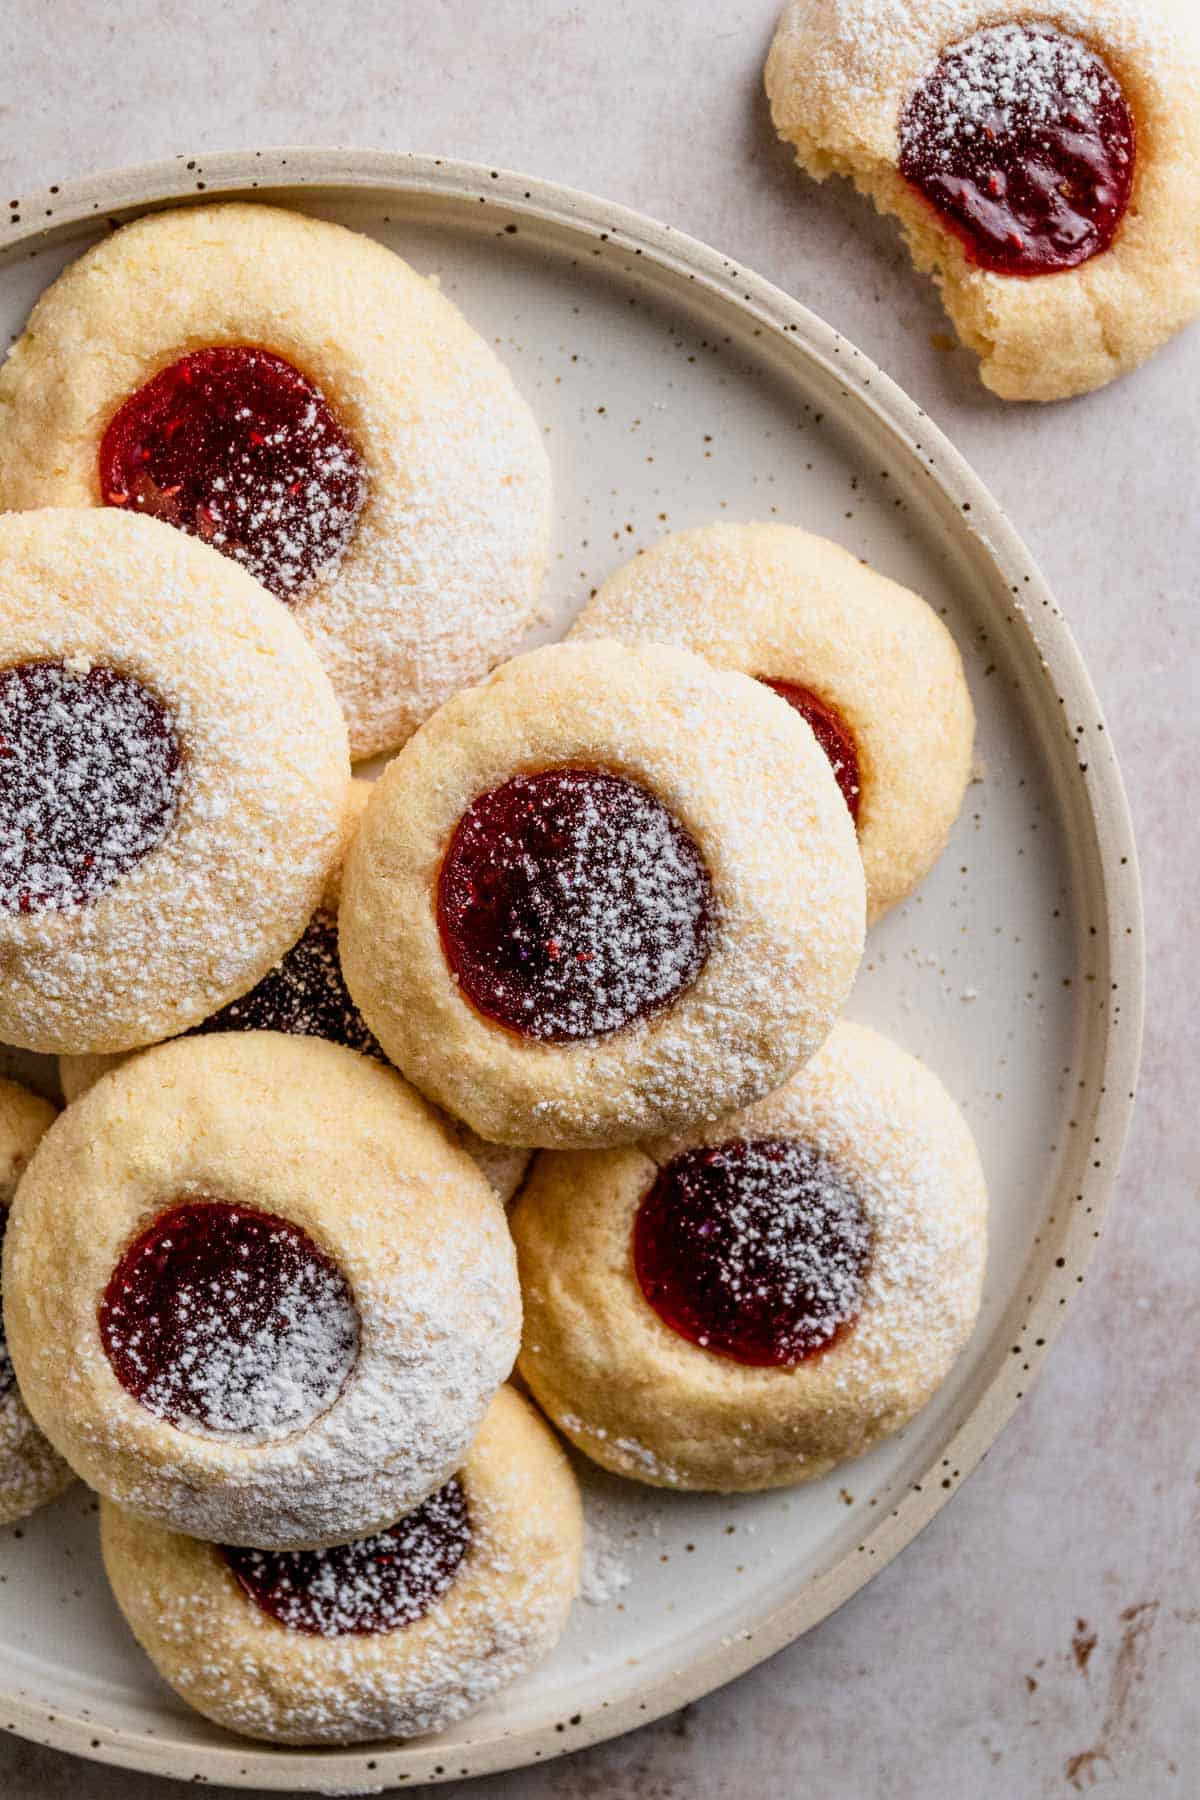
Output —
(867, 663)
(747, 1305)
(388, 1636)
(298, 397)
(1043, 162)
(306, 996)
(255, 1292)
(174, 775)
(31, 1472)
(608, 891)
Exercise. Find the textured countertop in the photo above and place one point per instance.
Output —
(1041, 1637)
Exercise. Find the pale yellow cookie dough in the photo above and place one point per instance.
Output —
(501, 1614)
(740, 771)
(838, 77)
(441, 576)
(503, 1164)
(357, 795)
(337, 1145)
(24, 1119)
(779, 603)
(256, 825)
(646, 1402)
(31, 1473)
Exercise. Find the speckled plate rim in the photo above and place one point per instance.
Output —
(1104, 875)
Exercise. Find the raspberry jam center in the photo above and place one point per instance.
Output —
(237, 447)
(304, 995)
(757, 1249)
(1021, 139)
(89, 774)
(831, 732)
(572, 903)
(7, 1377)
(229, 1321)
(374, 1584)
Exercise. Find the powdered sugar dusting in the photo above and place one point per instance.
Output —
(1021, 138)
(365, 1416)
(256, 822)
(1009, 70)
(228, 1321)
(404, 1632)
(442, 577)
(351, 1689)
(235, 446)
(746, 782)
(877, 1111)
(369, 1585)
(633, 1455)
(571, 902)
(409, 585)
(857, 54)
(756, 1249)
(304, 994)
(89, 774)
(860, 1107)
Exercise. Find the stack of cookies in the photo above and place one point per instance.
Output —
(526, 1054)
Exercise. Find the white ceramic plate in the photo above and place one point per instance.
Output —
(676, 388)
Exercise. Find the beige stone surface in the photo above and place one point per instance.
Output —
(965, 1668)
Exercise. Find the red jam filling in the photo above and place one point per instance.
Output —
(374, 1584)
(571, 903)
(237, 447)
(1021, 140)
(89, 774)
(756, 1249)
(231, 1321)
(6, 1369)
(831, 733)
(304, 995)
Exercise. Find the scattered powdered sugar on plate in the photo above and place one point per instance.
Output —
(605, 1571)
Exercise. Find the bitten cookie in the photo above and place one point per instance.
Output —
(297, 396)
(1043, 162)
(175, 775)
(747, 1305)
(305, 995)
(255, 1292)
(389, 1636)
(608, 892)
(865, 662)
(30, 1471)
